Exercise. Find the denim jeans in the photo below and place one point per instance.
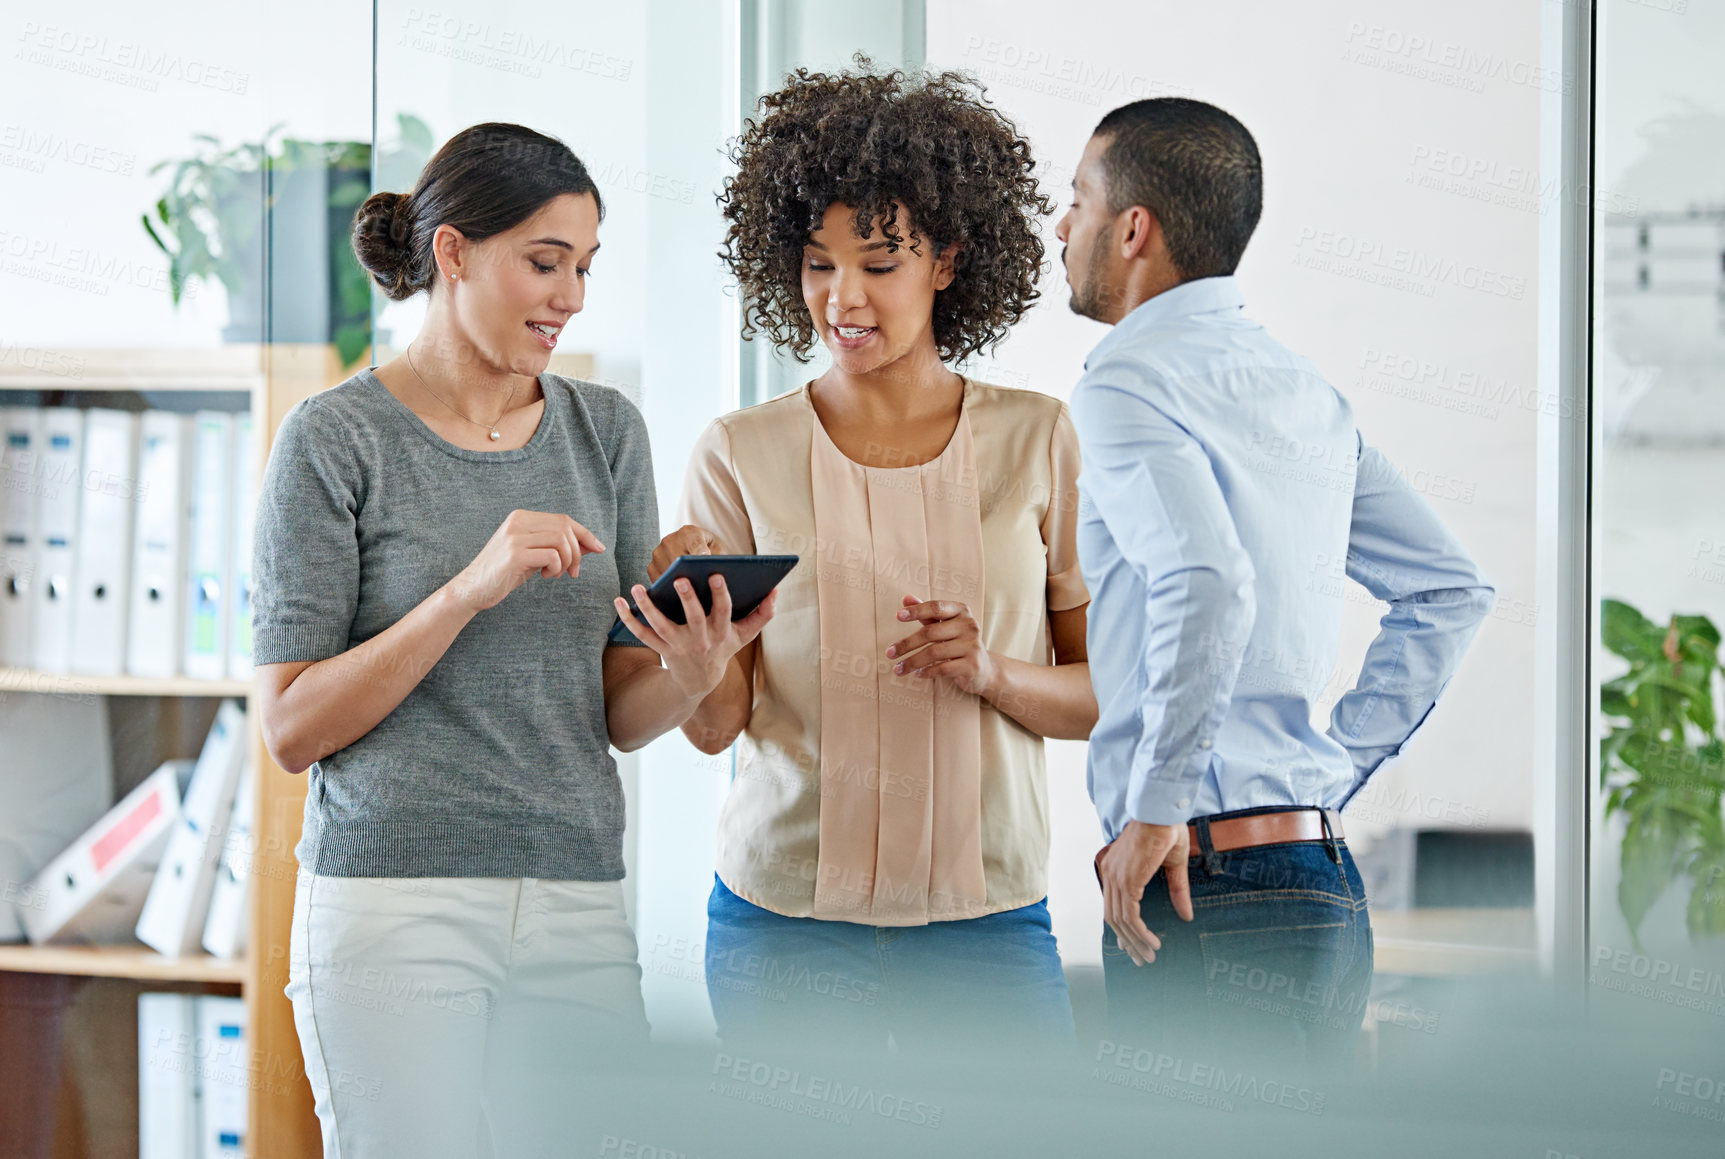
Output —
(1276, 962)
(985, 983)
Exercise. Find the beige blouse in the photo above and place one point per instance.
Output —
(860, 795)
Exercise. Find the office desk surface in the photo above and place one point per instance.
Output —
(1446, 942)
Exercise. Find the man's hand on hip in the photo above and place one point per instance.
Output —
(1126, 867)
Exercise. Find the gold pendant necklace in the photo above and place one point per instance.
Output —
(492, 429)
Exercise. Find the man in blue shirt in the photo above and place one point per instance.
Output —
(1225, 491)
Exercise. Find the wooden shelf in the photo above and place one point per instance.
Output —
(238, 366)
(136, 962)
(76, 684)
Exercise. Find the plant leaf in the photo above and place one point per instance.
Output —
(1649, 862)
(351, 341)
(1698, 629)
(415, 134)
(1614, 701)
(1628, 633)
(151, 230)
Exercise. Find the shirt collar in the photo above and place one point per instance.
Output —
(1199, 296)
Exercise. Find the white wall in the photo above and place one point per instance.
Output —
(1351, 118)
(689, 362)
(577, 73)
(92, 96)
(1360, 110)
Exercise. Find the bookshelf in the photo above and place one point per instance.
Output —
(282, 1123)
(281, 1120)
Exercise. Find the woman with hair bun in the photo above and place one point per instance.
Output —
(883, 848)
(441, 545)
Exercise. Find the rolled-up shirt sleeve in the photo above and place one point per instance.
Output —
(1150, 482)
(1401, 552)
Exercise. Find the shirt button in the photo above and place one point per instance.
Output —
(1203, 744)
(1184, 803)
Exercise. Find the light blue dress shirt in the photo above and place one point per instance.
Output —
(1226, 500)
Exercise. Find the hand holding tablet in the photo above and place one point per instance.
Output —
(749, 579)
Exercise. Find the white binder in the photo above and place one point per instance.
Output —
(206, 629)
(223, 1076)
(104, 545)
(177, 907)
(57, 502)
(168, 1120)
(225, 929)
(20, 465)
(160, 542)
(94, 890)
(240, 562)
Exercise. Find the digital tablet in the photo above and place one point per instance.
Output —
(749, 578)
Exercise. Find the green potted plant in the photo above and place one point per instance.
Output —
(210, 217)
(1662, 764)
(225, 209)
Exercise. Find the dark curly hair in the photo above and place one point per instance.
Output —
(931, 144)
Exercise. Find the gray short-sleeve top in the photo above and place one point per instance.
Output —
(498, 763)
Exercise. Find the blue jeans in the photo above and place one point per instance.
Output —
(985, 983)
(1277, 960)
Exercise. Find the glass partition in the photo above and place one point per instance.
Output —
(648, 96)
(177, 186)
(1497, 229)
(1658, 853)
(1406, 248)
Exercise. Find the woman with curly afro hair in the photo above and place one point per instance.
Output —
(883, 849)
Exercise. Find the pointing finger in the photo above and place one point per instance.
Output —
(586, 540)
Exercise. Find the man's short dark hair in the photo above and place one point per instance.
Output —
(1196, 168)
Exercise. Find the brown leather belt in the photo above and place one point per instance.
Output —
(1269, 829)
(1259, 829)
